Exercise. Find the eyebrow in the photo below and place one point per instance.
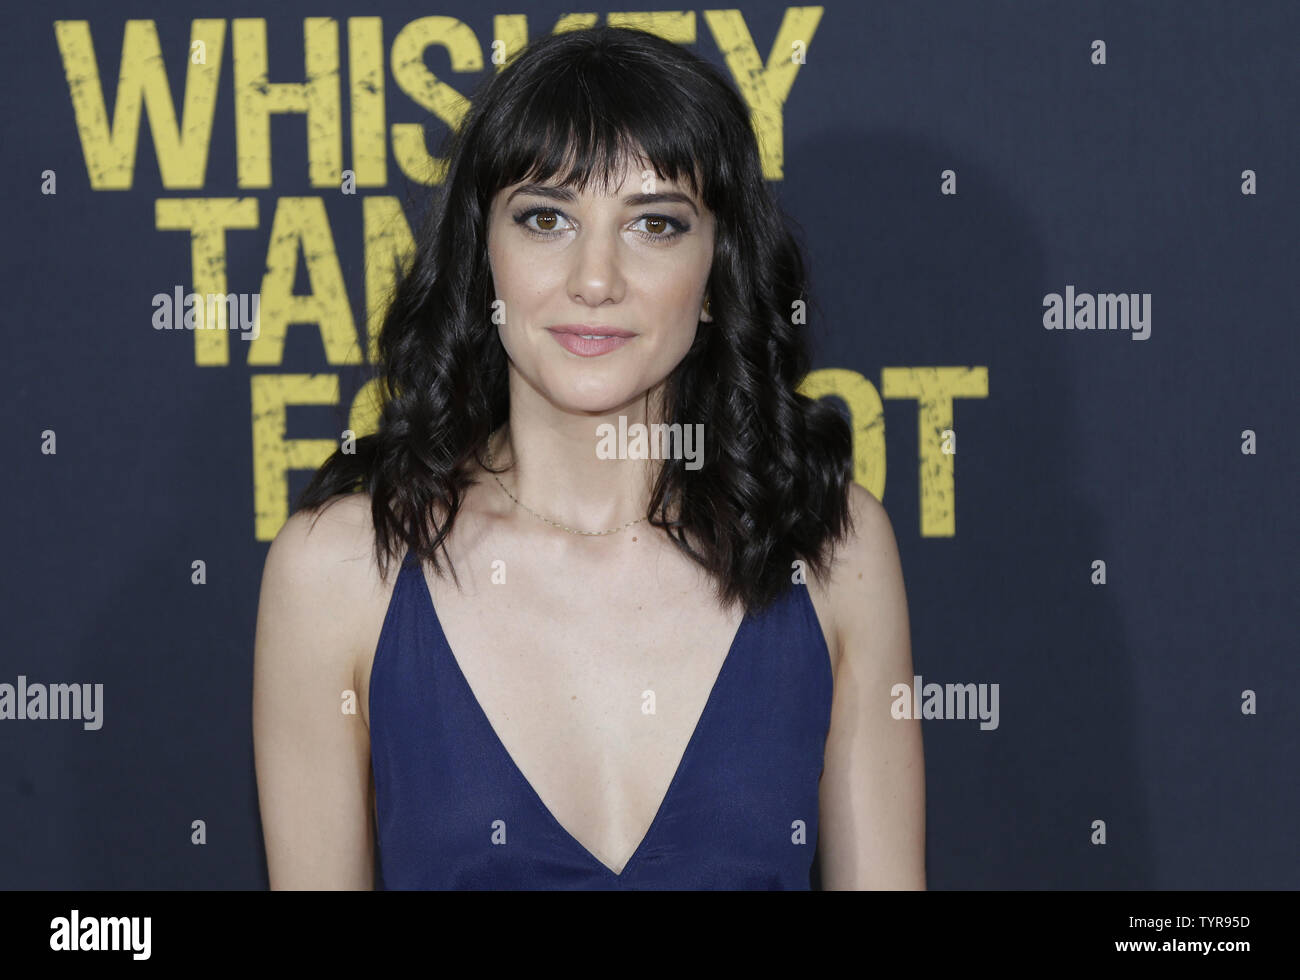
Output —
(567, 195)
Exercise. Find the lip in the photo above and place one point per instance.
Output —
(569, 336)
(600, 328)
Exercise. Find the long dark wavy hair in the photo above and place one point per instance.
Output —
(573, 107)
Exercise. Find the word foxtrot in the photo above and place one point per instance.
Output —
(55, 702)
(105, 933)
(660, 441)
(1105, 311)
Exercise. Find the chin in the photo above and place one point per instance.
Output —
(596, 403)
(583, 391)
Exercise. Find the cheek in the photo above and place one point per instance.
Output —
(679, 281)
(519, 279)
(679, 294)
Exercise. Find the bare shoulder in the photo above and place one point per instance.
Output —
(328, 547)
(323, 562)
(869, 594)
(864, 586)
(870, 544)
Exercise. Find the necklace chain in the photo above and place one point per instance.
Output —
(613, 530)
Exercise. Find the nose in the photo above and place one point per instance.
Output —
(596, 276)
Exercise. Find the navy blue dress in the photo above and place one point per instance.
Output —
(455, 812)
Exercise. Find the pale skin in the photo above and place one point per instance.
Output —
(559, 656)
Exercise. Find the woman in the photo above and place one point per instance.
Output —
(646, 671)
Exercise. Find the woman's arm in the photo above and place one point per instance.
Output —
(872, 797)
(313, 760)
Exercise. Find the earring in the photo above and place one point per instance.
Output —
(706, 307)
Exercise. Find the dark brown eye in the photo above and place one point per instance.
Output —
(543, 217)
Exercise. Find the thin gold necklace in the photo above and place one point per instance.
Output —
(613, 530)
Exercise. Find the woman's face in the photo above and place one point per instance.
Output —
(634, 261)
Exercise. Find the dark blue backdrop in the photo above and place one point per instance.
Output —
(1120, 702)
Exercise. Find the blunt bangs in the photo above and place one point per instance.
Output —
(579, 124)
